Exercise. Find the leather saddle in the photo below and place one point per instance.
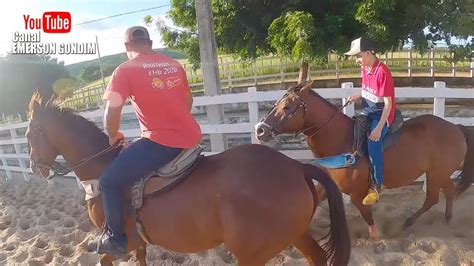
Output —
(167, 177)
(362, 131)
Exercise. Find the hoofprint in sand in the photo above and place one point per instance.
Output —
(43, 223)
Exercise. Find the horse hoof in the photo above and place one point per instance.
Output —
(373, 232)
(409, 222)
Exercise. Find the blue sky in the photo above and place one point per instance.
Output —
(109, 32)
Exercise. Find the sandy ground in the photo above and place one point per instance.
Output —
(48, 224)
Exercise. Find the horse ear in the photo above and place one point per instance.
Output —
(51, 100)
(308, 85)
(35, 103)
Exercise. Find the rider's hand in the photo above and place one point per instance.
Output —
(353, 99)
(375, 134)
(118, 137)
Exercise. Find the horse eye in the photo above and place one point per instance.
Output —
(287, 109)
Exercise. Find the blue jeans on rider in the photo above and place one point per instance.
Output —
(375, 149)
(134, 162)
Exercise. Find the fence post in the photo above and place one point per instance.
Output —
(348, 110)
(16, 147)
(254, 70)
(337, 68)
(472, 67)
(439, 100)
(229, 75)
(409, 63)
(5, 163)
(282, 72)
(453, 65)
(438, 107)
(432, 60)
(253, 112)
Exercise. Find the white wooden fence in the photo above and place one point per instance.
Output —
(14, 151)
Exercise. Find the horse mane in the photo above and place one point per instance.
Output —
(71, 119)
(294, 90)
(74, 120)
(315, 94)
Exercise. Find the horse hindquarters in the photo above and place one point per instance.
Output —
(252, 198)
(260, 219)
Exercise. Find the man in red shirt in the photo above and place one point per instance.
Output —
(160, 95)
(378, 101)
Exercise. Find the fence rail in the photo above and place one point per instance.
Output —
(14, 149)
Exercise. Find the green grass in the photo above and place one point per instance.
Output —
(229, 68)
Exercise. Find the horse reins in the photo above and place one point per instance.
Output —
(60, 170)
(304, 106)
(324, 122)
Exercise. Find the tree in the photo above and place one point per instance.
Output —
(64, 88)
(23, 74)
(90, 73)
(250, 28)
(422, 21)
(293, 36)
(242, 27)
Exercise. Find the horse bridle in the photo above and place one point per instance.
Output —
(56, 167)
(36, 132)
(302, 104)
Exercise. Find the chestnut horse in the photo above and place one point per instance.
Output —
(253, 199)
(427, 144)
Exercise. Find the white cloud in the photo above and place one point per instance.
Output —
(109, 32)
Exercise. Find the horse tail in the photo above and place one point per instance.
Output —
(467, 172)
(338, 246)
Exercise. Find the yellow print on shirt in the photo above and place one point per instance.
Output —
(157, 83)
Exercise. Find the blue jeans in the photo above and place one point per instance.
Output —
(375, 149)
(134, 162)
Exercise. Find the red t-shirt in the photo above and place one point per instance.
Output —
(158, 88)
(377, 84)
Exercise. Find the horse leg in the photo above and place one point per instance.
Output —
(107, 259)
(311, 249)
(432, 197)
(141, 254)
(366, 212)
(449, 191)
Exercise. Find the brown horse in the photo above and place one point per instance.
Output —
(253, 199)
(428, 144)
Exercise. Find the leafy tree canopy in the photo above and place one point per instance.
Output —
(310, 29)
(21, 75)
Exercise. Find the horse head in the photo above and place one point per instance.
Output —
(288, 115)
(42, 153)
